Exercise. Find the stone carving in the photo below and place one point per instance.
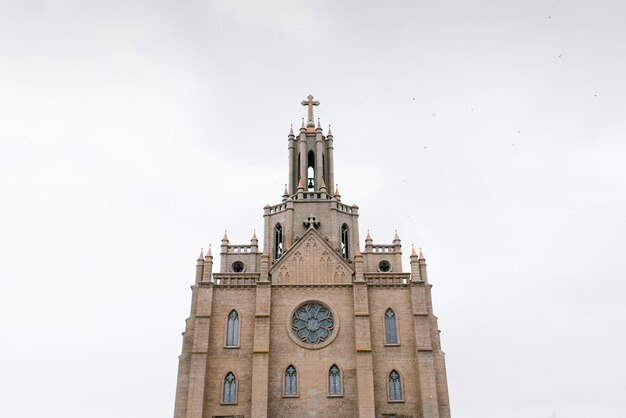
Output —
(311, 261)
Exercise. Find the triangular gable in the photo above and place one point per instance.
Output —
(311, 261)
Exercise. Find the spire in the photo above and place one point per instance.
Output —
(285, 192)
(396, 238)
(225, 237)
(254, 236)
(357, 251)
(368, 237)
(302, 127)
(413, 253)
(330, 133)
(318, 124)
(201, 256)
(322, 184)
(290, 130)
(337, 190)
(209, 253)
(300, 185)
(421, 256)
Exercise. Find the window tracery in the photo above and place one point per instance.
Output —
(291, 381)
(334, 380)
(232, 329)
(312, 323)
(395, 386)
(391, 334)
(230, 389)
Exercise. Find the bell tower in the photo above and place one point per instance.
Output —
(308, 196)
(310, 155)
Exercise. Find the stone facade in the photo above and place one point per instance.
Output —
(362, 314)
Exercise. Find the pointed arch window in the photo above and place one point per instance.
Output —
(395, 386)
(334, 381)
(345, 241)
(230, 389)
(278, 241)
(310, 171)
(391, 331)
(232, 329)
(291, 381)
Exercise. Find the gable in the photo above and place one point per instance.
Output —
(311, 261)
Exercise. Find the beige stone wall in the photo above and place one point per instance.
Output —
(221, 360)
(401, 357)
(312, 365)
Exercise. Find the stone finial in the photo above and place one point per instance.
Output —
(285, 192)
(357, 251)
(318, 124)
(413, 253)
(209, 253)
(300, 184)
(322, 183)
(421, 256)
(201, 256)
(368, 237)
(396, 237)
(290, 130)
(337, 190)
(225, 237)
(254, 238)
(302, 126)
(330, 133)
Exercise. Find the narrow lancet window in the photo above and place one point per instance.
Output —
(291, 381)
(395, 386)
(311, 171)
(230, 389)
(334, 380)
(278, 242)
(391, 332)
(345, 241)
(232, 329)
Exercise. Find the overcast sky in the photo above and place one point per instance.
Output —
(490, 133)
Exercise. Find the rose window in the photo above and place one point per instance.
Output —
(312, 323)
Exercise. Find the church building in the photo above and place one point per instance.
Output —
(311, 323)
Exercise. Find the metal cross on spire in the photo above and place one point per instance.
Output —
(310, 103)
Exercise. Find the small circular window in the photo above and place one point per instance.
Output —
(237, 267)
(384, 266)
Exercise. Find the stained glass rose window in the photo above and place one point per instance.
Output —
(312, 323)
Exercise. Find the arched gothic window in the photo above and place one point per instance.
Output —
(310, 171)
(291, 381)
(345, 241)
(232, 329)
(395, 386)
(278, 241)
(334, 380)
(391, 333)
(230, 389)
